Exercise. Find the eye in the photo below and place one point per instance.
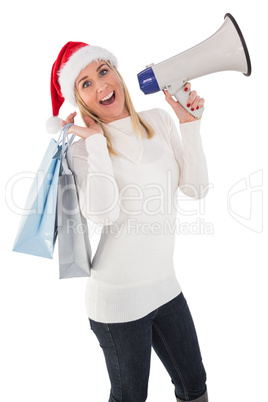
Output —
(86, 84)
(104, 71)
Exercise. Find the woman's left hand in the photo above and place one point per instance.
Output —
(194, 102)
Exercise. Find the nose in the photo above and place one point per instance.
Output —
(101, 86)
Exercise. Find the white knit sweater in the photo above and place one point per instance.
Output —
(134, 197)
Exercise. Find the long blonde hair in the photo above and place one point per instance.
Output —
(139, 124)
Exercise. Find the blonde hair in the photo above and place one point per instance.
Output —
(139, 125)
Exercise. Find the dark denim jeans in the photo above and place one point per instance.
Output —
(127, 349)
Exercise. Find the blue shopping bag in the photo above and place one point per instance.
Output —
(38, 227)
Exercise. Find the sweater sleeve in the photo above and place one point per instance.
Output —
(189, 154)
(98, 192)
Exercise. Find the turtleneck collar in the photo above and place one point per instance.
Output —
(125, 140)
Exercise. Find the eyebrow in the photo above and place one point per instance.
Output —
(87, 76)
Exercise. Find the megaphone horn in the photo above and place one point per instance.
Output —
(226, 50)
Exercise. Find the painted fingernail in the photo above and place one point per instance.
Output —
(188, 104)
(197, 108)
(192, 109)
(186, 89)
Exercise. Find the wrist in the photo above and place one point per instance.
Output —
(190, 119)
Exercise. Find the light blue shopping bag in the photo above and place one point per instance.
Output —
(38, 228)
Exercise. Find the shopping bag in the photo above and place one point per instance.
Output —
(37, 230)
(73, 238)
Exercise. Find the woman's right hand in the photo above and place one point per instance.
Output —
(83, 132)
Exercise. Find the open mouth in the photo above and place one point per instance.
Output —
(109, 99)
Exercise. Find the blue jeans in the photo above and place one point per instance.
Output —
(127, 349)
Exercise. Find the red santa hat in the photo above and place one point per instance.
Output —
(72, 59)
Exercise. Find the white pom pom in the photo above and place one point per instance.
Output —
(53, 124)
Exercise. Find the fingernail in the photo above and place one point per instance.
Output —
(186, 89)
(192, 109)
(188, 104)
(197, 108)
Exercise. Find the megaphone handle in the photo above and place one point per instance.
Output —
(182, 98)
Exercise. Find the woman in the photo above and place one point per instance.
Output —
(127, 168)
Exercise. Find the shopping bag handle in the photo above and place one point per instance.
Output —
(65, 145)
(62, 147)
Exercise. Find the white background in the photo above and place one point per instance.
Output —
(48, 352)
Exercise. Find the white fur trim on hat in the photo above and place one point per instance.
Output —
(76, 63)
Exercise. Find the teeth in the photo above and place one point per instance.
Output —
(108, 96)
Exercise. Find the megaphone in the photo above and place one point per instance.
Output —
(226, 50)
